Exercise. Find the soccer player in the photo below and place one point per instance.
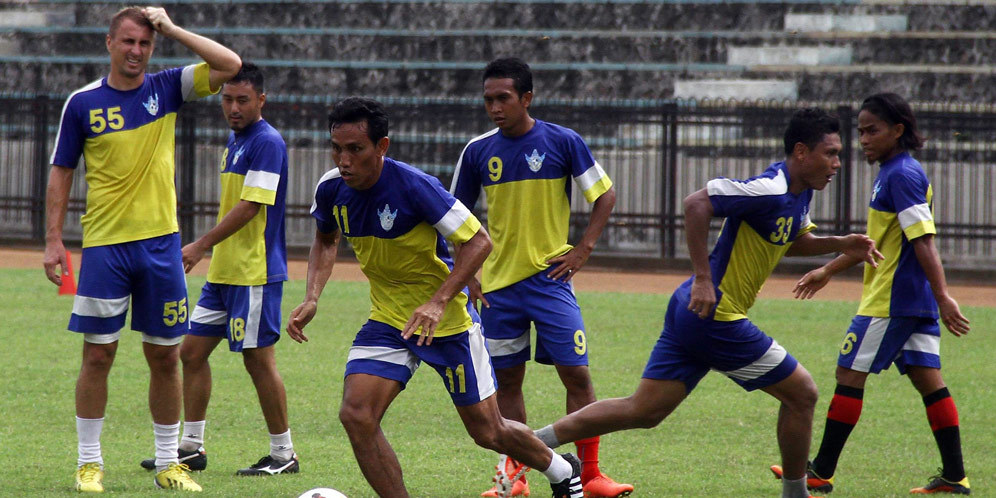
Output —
(706, 325)
(896, 321)
(123, 126)
(524, 166)
(241, 300)
(398, 220)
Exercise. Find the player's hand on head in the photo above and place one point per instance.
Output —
(955, 322)
(54, 261)
(159, 19)
(811, 282)
(299, 318)
(703, 298)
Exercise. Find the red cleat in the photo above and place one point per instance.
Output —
(602, 486)
(509, 479)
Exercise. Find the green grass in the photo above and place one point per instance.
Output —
(719, 442)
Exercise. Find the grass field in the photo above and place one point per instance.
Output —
(719, 443)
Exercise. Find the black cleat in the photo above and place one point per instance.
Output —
(570, 487)
(196, 460)
(268, 466)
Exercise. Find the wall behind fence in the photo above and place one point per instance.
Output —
(656, 152)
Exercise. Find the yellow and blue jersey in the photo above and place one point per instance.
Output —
(398, 229)
(901, 210)
(528, 196)
(762, 220)
(127, 141)
(253, 168)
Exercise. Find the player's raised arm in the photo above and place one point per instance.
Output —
(223, 61)
(467, 261)
(321, 259)
(60, 181)
(698, 213)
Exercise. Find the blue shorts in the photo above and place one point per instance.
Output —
(461, 360)
(149, 272)
(871, 344)
(690, 346)
(547, 303)
(249, 316)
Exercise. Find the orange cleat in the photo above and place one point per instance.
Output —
(602, 486)
(938, 484)
(509, 479)
(813, 481)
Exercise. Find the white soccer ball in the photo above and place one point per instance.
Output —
(322, 493)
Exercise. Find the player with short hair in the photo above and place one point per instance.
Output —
(896, 321)
(398, 220)
(524, 166)
(706, 325)
(241, 300)
(123, 126)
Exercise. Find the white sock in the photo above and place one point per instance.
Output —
(88, 441)
(559, 469)
(193, 435)
(794, 488)
(166, 444)
(548, 437)
(281, 447)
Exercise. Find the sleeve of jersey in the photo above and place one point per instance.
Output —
(466, 185)
(448, 216)
(321, 210)
(806, 226)
(195, 82)
(69, 140)
(587, 173)
(734, 197)
(916, 217)
(263, 176)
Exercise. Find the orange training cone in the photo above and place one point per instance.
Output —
(68, 283)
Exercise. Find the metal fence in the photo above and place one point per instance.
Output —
(656, 152)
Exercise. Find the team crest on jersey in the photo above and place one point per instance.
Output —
(152, 105)
(387, 217)
(238, 154)
(878, 186)
(535, 161)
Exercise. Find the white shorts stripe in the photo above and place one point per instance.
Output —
(756, 187)
(99, 307)
(208, 317)
(402, 357)
(252, 320)
(913, 215)
(453, 219)
(262, 179)
(161, 341)
(869, 345)
(771, 359)
(924, 343)
(482, 362)
(102, 338)
(590, 177)
(505, 347)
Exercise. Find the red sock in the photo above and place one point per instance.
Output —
(588, 454)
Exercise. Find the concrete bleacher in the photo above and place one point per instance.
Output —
(644, 49)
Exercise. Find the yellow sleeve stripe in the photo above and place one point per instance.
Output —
(915, 214)
(453, 219)
(809, 227)
(195, 82)
(599, 188)
(465, 231)
(590, 177)
(920, 229)
(260, 195)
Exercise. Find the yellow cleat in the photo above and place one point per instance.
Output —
(176, 477)
(89, 477)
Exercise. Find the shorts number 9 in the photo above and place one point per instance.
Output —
(580, 344)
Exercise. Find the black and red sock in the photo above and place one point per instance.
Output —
(843, 415)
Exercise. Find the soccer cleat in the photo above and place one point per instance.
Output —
(195, 460)
(269, 466)
(89, 478)
(509, 479)
(176, 477)
(939, 484)
(813, 481)
(602, 486)
(570, 487)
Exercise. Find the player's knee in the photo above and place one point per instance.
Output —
(804, 397)
(489, 438)
(98, 359)
(357, 419)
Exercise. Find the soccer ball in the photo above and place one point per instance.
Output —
(322, 493)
